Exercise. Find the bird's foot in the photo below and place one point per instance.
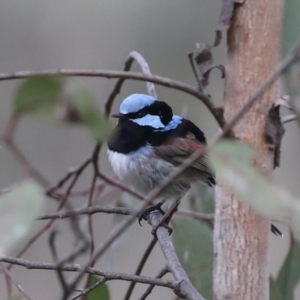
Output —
(145, 213)
(161, 224)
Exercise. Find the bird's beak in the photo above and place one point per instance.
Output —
(117, 116)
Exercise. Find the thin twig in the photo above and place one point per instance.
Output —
(60, 275)
(116, 210)
(171, 83)
(18, 286)
(70, 173)
(78, 268)
(140, 267)
(149, 289)
(145, 69)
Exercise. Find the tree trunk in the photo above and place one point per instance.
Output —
(241, 236)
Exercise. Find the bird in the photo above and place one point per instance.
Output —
(149, 142)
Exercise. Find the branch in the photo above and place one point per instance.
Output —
(116, 90)
(77, 268)
(116, 210)
(171, 83)
(186, 289)
(134, 55)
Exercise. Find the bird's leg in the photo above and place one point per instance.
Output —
(166, 218)
(145, 213)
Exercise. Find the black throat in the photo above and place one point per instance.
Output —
(128, 136)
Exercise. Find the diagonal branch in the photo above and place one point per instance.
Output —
(186, 288)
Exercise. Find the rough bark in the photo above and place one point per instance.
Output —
(241, 235)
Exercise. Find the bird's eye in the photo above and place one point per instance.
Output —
(140, 115)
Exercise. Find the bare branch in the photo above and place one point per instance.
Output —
(134, 55)
(186, 289)
(171, 83)
(18, 286)
(70, 173)
(77, 268)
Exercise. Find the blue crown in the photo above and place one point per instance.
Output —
(135, 102)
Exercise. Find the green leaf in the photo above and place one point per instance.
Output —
(275, 293)
(233, 163)
(99, 293)
(290, 34)
(193, 244)
(18, 208)
(38, 96)
(289, 274)
(88, 114)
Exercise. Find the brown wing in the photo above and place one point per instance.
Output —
(177, 150)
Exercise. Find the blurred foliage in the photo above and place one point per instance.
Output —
(275, 293)
(289, 274)
(233, 162)
(85, 105)
(38, 96)
(99, 293)
(18, 208)
(194, 246)
(47, 98)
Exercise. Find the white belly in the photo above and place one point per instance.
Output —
(144, 171)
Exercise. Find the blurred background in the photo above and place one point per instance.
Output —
(39, 35)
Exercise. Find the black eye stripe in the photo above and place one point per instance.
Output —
(158, 108)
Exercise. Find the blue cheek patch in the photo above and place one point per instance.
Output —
(176, 120)
(135, 102)
(150, 120)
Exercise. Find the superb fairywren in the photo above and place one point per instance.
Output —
(149, 142)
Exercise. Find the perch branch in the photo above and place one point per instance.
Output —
(186, 288)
